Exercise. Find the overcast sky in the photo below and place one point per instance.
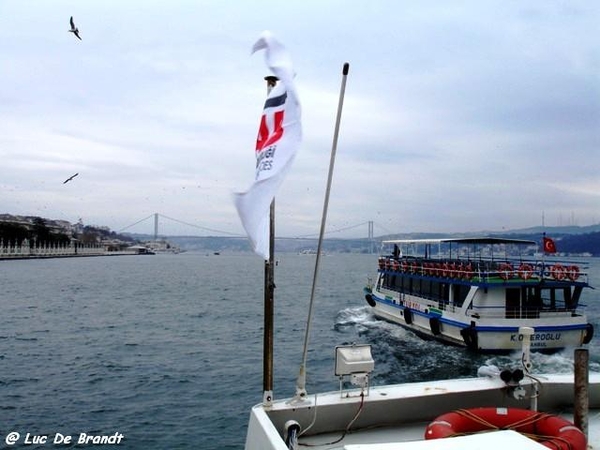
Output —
(458, 116)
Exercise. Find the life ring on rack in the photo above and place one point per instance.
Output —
(549, 430)
(573, 273)
(452, 268)
(382, 263)
(426, 268)
(468, 271)
(460, 270)
(395, 265)
(558, 271)
(525, 271)
(445, 270)
(403, 266)
(505, 271)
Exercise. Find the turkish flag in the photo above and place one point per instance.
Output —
(549, 245)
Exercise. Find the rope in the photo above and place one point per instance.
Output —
(360, 407)
(531, 420)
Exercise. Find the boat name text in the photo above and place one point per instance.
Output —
(537, 337)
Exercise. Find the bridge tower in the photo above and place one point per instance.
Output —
(155, 227)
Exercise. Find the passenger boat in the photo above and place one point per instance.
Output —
(478, 292)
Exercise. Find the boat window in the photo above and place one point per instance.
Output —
(567, 297)
(575, 297)
(532, 302)
(513, 303)
(529, 301)
(445, 291)
(460, 292)
(426, 288)
(559, 299)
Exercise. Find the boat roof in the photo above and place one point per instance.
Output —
(472, 240)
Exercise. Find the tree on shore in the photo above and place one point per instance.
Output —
(12, 232)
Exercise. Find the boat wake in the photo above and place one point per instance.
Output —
(402, 356)
(560, 362)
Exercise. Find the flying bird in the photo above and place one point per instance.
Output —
(74, 29)
(70, 178)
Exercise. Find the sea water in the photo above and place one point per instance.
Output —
(165, 351)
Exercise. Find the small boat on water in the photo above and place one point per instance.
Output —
(478, 292)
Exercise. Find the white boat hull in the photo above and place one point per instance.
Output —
(499, 335)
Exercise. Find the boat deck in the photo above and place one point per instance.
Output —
(395, 417)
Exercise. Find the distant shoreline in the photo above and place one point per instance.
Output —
(83, 255)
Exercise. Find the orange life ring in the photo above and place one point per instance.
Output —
(525, 271)
(573, 273)
(445, 270)
(460, 270)
(506, 271)
(427, 268)
(558, 271)
(549, 430)
(468, 271)
(452, 273)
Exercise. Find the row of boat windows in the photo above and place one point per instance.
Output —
(427, 288)
(531, 298)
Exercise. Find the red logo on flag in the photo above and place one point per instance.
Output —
(549, 245)
(268, 137)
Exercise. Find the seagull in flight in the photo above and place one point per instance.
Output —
(74, 29)
(70, 178)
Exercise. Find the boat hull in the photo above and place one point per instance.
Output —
(485, 336)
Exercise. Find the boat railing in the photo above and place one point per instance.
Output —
(488, 270)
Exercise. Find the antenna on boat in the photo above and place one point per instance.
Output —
(301, 380)
(269, 290)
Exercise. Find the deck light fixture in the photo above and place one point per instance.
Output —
(354, 361)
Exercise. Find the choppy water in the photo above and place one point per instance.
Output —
(167, 350)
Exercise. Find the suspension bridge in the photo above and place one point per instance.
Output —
(333, 233)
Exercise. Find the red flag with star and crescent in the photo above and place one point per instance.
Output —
(549, 245)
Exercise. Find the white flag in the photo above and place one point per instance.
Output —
(279, 137)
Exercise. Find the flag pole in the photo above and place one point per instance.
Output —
(269, 290)
(301, 380)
